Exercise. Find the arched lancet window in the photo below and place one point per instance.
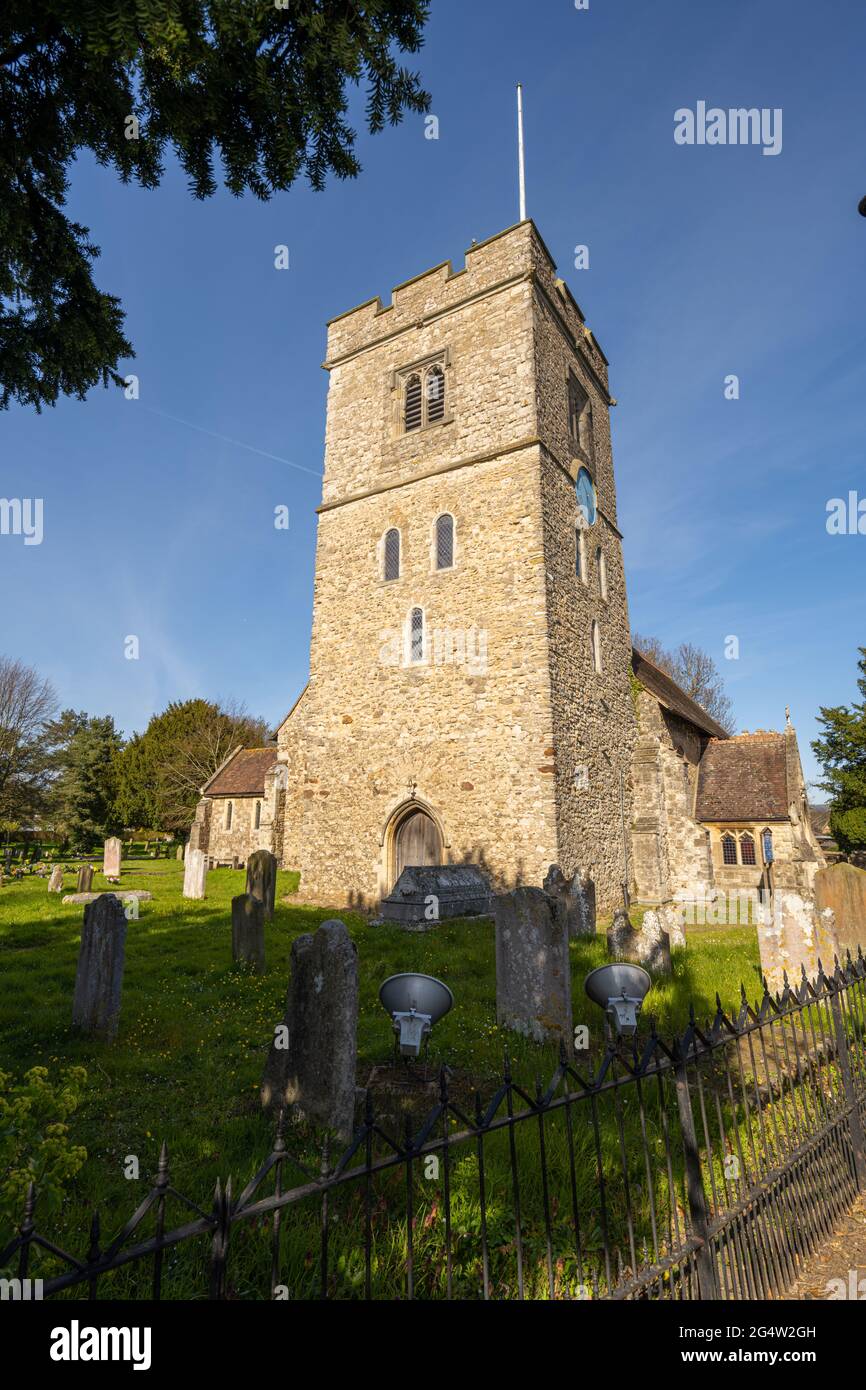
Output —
(412, 404)
(229, 809)
(767, 845)
(444, 541)
(391, 567)
(601, 571)
(435, 390)
(579, 559)
(747, 849)
(416, 635)
(729, 849)
(595, 639)
(258, 817)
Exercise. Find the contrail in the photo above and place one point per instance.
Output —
(237, 442)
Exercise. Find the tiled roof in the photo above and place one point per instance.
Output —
(743, 778)
(669, 694)
(243, 774)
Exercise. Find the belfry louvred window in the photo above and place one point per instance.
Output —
(412, 407)
(435, 388)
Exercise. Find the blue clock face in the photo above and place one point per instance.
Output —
(585, 489)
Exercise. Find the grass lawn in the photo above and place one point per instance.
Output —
(194, 1030)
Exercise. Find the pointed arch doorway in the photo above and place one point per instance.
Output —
(417, 842)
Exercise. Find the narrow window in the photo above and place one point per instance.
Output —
(392, 554)
(417, 635)
(258, 821)
(747, 849)
(596, 647)
(767, 846)
(579, 565)
(444, 541)
(412, 404)
(228, 815)
(435, 385)
(601, 571)
(729, 849)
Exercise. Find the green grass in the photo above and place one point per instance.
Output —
(194, 1033)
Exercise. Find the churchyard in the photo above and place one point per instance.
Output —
(193, 1033)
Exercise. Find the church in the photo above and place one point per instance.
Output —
(474, 696)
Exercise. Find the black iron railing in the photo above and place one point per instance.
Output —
(704, 1167)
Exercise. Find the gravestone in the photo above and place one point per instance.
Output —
(673, 917)
(794, 935)
(315, 1068)
(179, 853)
(111, 855)
(195, 874)
(248, 931)
(654, 945)
(85, 878)
(262, 880)
(99, 977)
(7, 860)
(421, 897)
(842, 887)
(126, 895)
(575, 898)
(622, 939)
(533, 970)
(55, 882)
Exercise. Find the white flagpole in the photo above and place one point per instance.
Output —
(520, 152)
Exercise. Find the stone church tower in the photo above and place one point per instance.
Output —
(470, 693)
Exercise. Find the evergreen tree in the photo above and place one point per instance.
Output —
(82, 801)
(256, 85)
(841, 751)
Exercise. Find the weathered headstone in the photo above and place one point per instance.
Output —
(533, 970)
(85, 878)
(179, 853)
(99, 977)
(262, 880)
(842, 887)
(794, 935)
(622, 939)
(195, 874)
(575, 898)
(111, 855)
(673, 917)
(248, 931)
(312, 1061)
(126, 895)
(55, 882)
(654, 945)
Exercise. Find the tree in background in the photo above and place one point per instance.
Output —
(161, 772)
(83, 791)
(256, 85)
(841, 751)
(695, 672)
(27, 705)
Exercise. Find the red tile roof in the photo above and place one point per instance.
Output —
(744, 778)
(243, 774)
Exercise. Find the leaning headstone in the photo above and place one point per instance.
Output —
(111, 855)
(262, 880)
(55, 882)
(622, 940)
(673, 917)
(248, 932)
(793, 935)
(195, 874)
(574, 898)
(533, 970)
(99, 978)
(312, 1061)
(654, 945)
(85, 878)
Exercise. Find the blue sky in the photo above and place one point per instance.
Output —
(704, 262)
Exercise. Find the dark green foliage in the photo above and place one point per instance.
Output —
(81, 803)
(255, 88)
(841, 751)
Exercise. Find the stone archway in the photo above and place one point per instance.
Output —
(414, 838)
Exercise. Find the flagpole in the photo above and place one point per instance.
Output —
(520, 152)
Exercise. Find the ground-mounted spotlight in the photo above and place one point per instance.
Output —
(620, 990)
(415, 1003)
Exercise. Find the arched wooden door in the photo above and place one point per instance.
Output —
(417, 843)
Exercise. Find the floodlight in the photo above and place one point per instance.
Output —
(620, 990)
(415, 1003)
